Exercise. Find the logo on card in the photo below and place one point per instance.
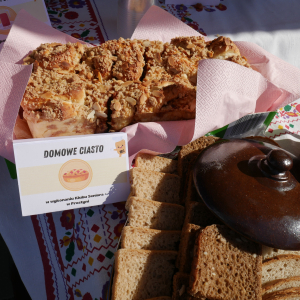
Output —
(120, 147)
(75, 175)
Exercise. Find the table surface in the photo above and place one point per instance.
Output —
(68, 255)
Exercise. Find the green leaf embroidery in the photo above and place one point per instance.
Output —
(189, 20)
(70, 251)
(68, 233)
(287, 108)
(85, 33)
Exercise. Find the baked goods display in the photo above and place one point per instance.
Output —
(76, 175)
(211, 261)
(76, 89)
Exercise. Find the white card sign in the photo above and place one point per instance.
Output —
(63, 173)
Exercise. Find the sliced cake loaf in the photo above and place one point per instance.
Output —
(143, 274)
(280, 284)
(154, 215)
(180, 287)
(155, 186)
(155, 163)
(286, 294)
(197, 213)
(225, 266)
(280, 267)
(268, 252)
(150, 239)
(186, 249)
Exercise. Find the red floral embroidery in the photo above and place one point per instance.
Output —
(67, 219)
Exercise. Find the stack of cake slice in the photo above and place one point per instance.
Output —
(166, 215)
(213, 261)
(280, 274)
(145, 264)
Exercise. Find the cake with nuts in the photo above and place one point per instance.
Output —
(76, 89)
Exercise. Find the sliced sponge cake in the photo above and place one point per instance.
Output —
(155, 186)
(143, 274)
(281, 284)
(281, 266)
(286, 294)
(225, 266)
(154, 215)
(155, 163)
(150, 239)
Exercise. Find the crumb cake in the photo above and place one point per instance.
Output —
(123, 106)
(76, 89)
(56, 56)
(76, 175)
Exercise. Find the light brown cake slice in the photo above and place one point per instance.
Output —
(154, 215)
(180, 287)
(189, 235)
(97, 98)
(155, 163)
(225, 266)
(97, 64)
(155, 186)
(150, 239)
(153, 52)
(58, 57)
(195, 48)
(280, 267)
(192, 46)
(268, 252)
(280, 284)
(54, 105)
(130, 60)
(286, 294)
(169, 98)
(123, 106)
(121, 59)
(225, 49)
(177, 62)
(143, 274)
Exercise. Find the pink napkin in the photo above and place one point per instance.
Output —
(14, 79)
(26, 34)
(225, 91)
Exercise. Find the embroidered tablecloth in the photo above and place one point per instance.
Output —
(68, 255)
